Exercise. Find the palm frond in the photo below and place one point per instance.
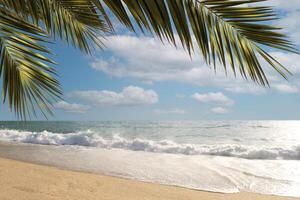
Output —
(28, 81)
(225, 31)
(76, 21)
(228, 31)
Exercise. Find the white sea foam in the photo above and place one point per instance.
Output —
(91, 139)
(210, 173)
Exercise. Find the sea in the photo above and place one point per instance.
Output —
(218, 156)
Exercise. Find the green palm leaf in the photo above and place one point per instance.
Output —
(27, 79)
(75, 21)
(226, 31)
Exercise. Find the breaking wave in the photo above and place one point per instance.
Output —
(91, 139)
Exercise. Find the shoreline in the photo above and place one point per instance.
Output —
(25, 180)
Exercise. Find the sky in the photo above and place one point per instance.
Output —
(136, 77)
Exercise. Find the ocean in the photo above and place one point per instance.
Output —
(218, 156)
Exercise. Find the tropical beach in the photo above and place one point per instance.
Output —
(150, 99)
(22, 181)
(69, 159)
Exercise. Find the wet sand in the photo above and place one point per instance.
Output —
(27, 181)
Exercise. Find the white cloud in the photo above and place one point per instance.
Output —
(291, 23)
(219, 110)
(71, 107)
(148, 60)
(289, 17)
(292, 61)
(288, 5)
(212, 97)
(250, 89)
(129, 96)
(169, 112)
(289, 13)
(286, 88)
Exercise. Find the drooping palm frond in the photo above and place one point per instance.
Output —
(226, 30)
(75, 21)
(28, 82)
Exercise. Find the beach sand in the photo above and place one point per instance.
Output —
(21, 180)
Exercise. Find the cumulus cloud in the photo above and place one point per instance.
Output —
(289, 17)
(289, 13)
(169, 112)
(251, 89)
(219, 110)
(145, 58)
(292, 61)
(211, 97)
(71, 107)
(129, 96)
(148, 60)
(286, 88)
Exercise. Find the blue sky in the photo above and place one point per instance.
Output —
(138, 78)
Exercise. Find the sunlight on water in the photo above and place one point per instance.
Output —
(255, 156)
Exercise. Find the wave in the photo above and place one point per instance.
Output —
(91, 139)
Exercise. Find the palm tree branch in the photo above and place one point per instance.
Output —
(225, 30)
(76, 21)
(249, 35)
(28, 81)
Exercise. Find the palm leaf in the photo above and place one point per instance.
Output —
(75, 21)
(227, 31)
(28, 81)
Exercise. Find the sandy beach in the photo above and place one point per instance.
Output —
(22, 180)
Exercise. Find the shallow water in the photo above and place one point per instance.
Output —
(220, 156)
